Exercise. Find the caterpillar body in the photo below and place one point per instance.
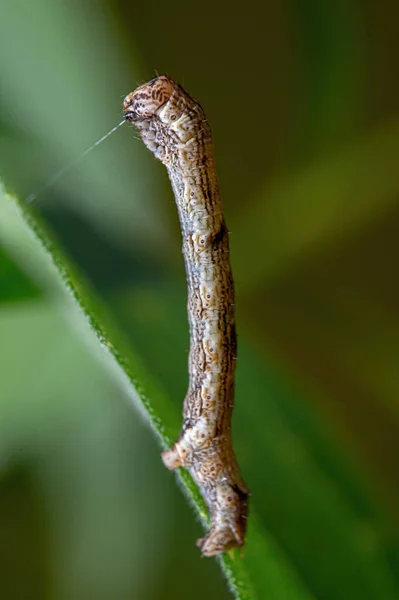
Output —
(173, 126)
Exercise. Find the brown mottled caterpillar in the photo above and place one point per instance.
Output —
(173, 126)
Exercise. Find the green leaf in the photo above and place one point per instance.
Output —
(313, 524)
(66, 424)
(14, 285)
(305, 495)
(264, 570)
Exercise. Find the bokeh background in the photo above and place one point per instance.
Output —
(303, 100)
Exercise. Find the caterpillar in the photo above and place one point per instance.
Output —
(173, 126)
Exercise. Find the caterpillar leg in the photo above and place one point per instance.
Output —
(191, 440)
(176, 456)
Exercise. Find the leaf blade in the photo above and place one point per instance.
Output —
(31, 245)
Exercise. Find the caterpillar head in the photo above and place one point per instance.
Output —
(165, 115)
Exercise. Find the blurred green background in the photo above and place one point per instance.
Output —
(303, 100)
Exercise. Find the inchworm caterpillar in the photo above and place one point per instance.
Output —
(173, 126)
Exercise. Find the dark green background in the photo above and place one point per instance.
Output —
(303, 100)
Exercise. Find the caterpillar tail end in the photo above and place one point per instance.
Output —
(218, 541)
